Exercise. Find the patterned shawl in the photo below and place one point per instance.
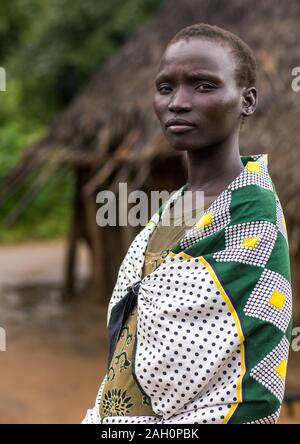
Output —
(214, 319)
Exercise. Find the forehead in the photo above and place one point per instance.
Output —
(198, 54)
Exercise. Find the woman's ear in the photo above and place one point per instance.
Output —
(249, 101)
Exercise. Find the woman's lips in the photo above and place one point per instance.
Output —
(180, 128)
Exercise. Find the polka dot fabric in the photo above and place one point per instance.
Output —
(130, 420)
(214, 319)
(255, 173)
(260, 306)
(187, 330)
(281, 224)
(220, 208)
(220, 216)
(131, 268)
(266, 372)
(259, 254)
(272, 419)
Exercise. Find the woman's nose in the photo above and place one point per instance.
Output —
(180, 101)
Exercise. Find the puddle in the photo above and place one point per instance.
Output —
(34, 301)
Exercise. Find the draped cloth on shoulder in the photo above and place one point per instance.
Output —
(214, 319)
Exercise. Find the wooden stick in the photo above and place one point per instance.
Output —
(72, 248)
(99, 287)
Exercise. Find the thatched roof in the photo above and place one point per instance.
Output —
(112, 119)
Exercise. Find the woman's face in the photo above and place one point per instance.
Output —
(196, 82)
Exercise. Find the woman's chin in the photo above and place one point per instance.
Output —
(181, 146)
(182, 142)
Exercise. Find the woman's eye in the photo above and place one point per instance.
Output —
(164, 89)
(205, 86)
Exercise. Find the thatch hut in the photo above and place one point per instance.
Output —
(109, 133)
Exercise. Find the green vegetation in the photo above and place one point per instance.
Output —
(49, 49)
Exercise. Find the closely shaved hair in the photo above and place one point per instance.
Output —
(245, 59)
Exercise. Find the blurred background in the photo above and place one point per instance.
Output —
(77, 118)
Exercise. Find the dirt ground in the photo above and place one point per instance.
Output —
(55, 354)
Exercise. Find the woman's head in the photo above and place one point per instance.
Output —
(207, 77)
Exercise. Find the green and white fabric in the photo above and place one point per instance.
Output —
(214, 319)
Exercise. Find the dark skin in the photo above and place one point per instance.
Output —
(213, 102)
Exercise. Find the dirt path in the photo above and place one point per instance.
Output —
(53, 361)
(56, 353)
(37, 262)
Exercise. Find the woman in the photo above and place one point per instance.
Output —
(200, 318)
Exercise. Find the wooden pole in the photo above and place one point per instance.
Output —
(99, 287)
(72, 248)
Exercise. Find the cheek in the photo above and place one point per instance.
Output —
(221, 109)
(156, 102)
(158, 105)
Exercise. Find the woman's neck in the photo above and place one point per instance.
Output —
(212, 169)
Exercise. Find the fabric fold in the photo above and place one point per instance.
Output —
(119, 314)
